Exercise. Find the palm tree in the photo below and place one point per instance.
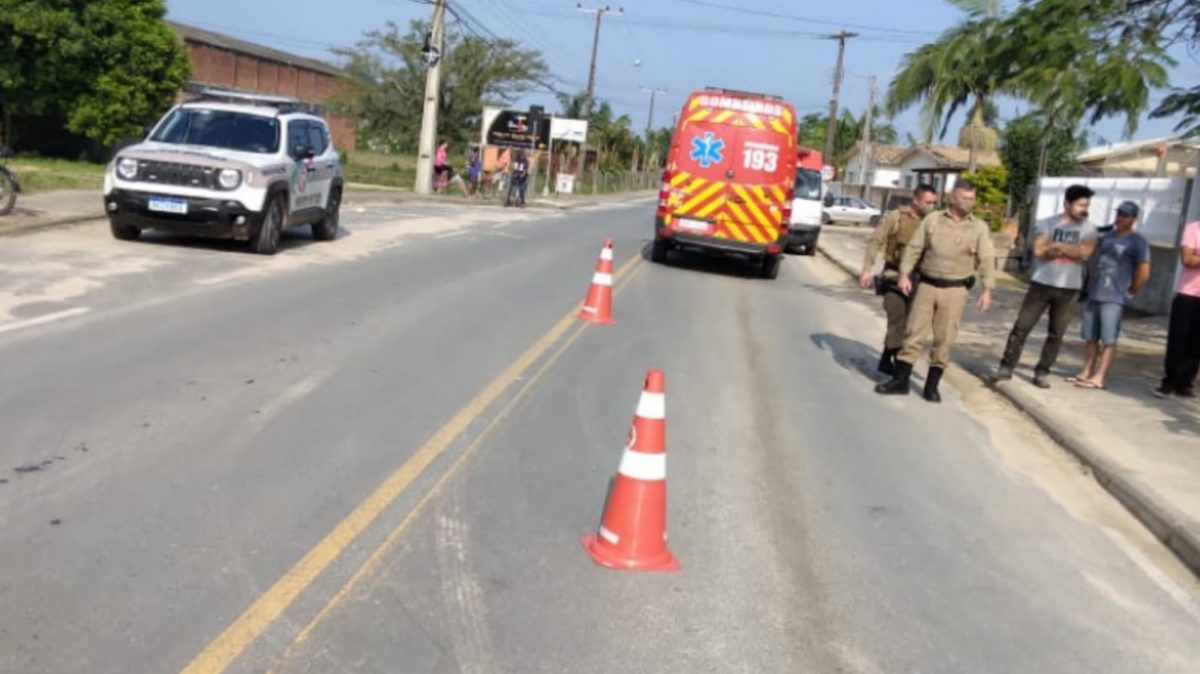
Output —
(966, 65)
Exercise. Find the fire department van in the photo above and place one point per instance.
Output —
(729, 178)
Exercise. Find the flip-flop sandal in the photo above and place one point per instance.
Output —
(1073, 379)
(1090, 385)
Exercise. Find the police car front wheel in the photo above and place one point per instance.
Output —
(267, 240)
(327, 228)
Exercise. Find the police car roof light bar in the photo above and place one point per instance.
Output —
(283, 103)
(735, 92)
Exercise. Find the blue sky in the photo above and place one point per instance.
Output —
(682, 45)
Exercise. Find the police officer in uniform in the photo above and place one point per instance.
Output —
(950, 249)
(892, 234)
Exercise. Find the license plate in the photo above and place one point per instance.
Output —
(692, 225)
(176, 206)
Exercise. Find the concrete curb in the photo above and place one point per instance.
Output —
(534, 202)
(15, 229)
(1163, 520)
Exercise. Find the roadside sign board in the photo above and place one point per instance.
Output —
(514, 128)
(570, 130)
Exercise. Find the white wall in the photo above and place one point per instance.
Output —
(1161, 200)
(880, 176)
(886, 176)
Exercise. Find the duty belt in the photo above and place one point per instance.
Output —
(967, 283)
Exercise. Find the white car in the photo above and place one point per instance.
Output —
(849, 210)
(228, 166)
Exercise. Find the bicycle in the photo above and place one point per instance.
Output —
(9, 186)
(493, 185)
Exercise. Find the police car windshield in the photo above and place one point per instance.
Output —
(808, 184)
(220, 128)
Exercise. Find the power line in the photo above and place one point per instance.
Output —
(477, 28)
(746, 31)
(802, 19)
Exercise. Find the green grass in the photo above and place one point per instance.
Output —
(40, 174)
(378, 168)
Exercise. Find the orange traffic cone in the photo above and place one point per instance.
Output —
(633, 531)
(597, 308)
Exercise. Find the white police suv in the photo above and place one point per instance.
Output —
(228, 166)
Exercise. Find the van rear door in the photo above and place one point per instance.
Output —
(760, 185)
(705, 159)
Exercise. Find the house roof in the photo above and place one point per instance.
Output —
(201, 36)
(1111, 150)
(882, 154)
(951, 156)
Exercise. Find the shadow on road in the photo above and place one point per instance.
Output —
(850, 354)
(731, 265)
(291, 239)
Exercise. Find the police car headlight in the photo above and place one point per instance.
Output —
(229, 179)
(127, 168)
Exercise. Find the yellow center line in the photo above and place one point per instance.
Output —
(230, 644)
(372, 563)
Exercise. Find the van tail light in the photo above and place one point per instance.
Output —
(664, 193)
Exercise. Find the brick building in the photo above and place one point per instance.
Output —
(223, 62)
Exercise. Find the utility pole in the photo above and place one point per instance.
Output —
(867, 158)
(589, 95)
(650, 123)
(433, 80)
(831, 128)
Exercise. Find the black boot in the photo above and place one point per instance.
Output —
(887, 362)
(898, 385)
(931, 385)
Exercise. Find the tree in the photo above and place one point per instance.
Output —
(387, 77)
(1184, 102)
(965, 65)
(991, 189)
(1165, 23)
(106, 67)
(612, 137)
(1080, 59)
(1021, 146)
(848, 132)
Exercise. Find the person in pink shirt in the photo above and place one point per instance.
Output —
(1182, 362)
(441, 162)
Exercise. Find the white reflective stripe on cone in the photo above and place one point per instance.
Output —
(590, 310)
(609, 536)
(643, 466)
(652, 406)
(606, 254)
(602, 279)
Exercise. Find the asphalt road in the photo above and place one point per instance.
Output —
(378, 455)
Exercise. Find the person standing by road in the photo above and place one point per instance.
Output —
(892, 234)
(516, 182)
(1183, 336)
(1119, 269)
(1061, 247)
(950, 249)
(474, 169)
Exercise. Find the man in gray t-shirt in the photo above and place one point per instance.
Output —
(1062, 245)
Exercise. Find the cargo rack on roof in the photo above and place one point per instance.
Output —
(283, 104)
(735, 92)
